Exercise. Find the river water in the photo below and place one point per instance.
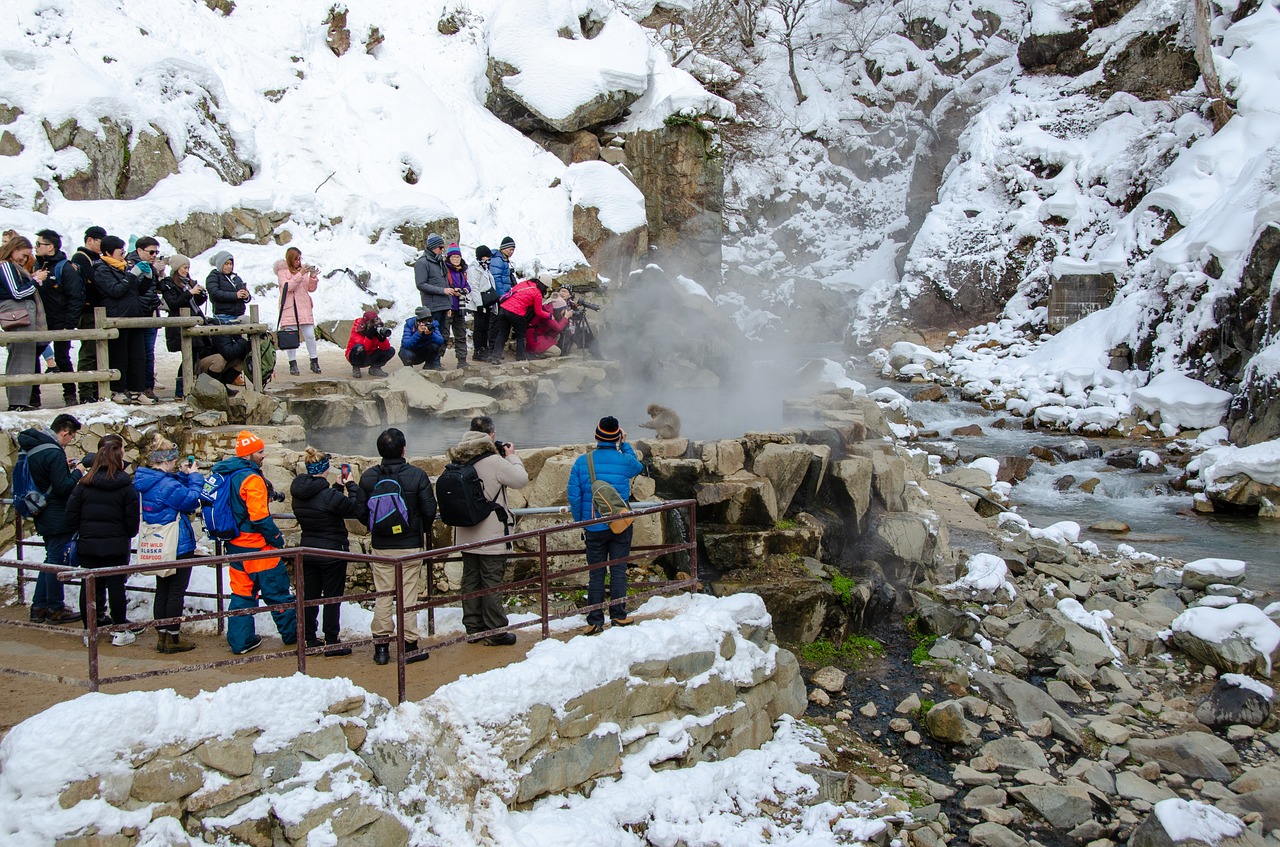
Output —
(1161, 520)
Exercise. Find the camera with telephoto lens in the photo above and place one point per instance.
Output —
(504, 447)
(577, 303)
(383, 331)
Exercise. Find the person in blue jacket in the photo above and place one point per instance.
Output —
(422, 340)
(500, 267)
(615, 462)
(169, 495)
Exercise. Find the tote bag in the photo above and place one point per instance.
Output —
(158, 542)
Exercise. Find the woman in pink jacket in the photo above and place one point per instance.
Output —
(296, 282)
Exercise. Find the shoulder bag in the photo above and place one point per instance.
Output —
(287, 339)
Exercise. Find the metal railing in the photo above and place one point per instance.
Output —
(547, 582)
(106, 329)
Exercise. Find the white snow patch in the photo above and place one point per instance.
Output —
(1239, 680)
(601, 186)
(1222, 568)
(984, 572)
(1182, 401)
(1241, 621)
(1187, 820)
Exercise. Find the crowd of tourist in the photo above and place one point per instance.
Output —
(474, 308)
(94, 509)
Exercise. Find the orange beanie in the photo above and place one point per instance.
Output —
(247, 444)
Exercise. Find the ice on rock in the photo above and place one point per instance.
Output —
(984, 572)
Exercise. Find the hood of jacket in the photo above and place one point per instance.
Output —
(306, 486)
(36, 436)
(279, 265)
(233, 464)
(112, 483)
(472, 446)
(145, 479)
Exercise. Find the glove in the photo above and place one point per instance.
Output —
(143, 268)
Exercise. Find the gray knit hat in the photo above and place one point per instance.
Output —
(507, 242)
(220, 258)
(434, 240)
(177, 260)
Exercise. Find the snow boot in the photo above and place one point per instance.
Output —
(293, 368)
(315, 366)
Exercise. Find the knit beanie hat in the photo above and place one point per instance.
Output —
(454, 249)
(434, 240)
(247, 444)
(220, 258)
(177, 260)
(507, 242)
(483, 252)
(422, 313)
(609, 429)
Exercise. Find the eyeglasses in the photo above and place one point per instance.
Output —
(151, 251)
(40, 243)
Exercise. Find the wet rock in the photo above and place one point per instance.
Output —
(1037, 638)
(1090, 484)
(1126, 458)
(971, 429)
(1028, 704)
(946, 722)
(1064, 483)
(1232, 703)
(1109, 526)
(1014, 468)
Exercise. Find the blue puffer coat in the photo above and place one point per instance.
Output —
(500, 267)
(614, 464)
(169, 497)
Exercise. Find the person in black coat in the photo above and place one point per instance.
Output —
(179, 290)
(85, 259)
(50, 473)
(63, 296)
(321, 509)
(227, 290)
(125, 295)
(104, 510)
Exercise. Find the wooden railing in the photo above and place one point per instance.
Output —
(106, 329)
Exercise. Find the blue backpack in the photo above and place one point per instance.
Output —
(217, 496)
(388, 514)
(28, 500)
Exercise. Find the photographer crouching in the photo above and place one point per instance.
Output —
(368, 346)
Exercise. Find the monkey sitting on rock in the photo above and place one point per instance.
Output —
(664, 422)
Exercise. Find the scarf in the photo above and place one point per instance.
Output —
(457, 279)
(118, 264)
(318, 467)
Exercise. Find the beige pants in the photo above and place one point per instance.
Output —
(384, 579)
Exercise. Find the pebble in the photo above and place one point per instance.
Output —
(912, 737)
(819, 697)
(869, 710)
(1239, 732)
(1150, 771)
(844, 715)
(899, 724)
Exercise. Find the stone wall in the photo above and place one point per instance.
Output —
(349, 767)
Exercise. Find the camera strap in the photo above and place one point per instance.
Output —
(280, 316)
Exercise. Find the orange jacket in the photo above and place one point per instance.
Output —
(253, 493)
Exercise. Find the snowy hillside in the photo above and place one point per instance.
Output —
(349, 147)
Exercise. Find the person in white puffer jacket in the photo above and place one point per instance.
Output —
(480, 278)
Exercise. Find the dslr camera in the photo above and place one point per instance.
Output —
(383, 331)
(577, 303)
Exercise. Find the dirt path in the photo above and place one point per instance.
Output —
(64, 655)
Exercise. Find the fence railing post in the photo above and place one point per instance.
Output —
(17, 546)
(544, 586)
(188, 356)
(255, 351)
(90, 586)
(217, 570)
(104, 355)
(400, 598)
(300, 613)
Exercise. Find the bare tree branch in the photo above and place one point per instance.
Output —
(1204, 58)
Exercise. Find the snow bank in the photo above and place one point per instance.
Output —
(1182, 401)
(1239, 680)
(1226, 569)
(1260, 462)
(1241, 621)
(1188, 821)
(601, 186)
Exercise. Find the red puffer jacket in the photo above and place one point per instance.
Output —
(525, 296)
(363, 332)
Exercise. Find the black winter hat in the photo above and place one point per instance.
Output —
(609, 429)
(483, 252)
(95, 232)
(507, 242)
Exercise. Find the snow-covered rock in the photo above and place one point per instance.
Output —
(1240, 638)
(1182, 401)
(1202, 573)
(1187, 823)
(1236, 699)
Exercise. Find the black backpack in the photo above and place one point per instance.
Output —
(460, 496)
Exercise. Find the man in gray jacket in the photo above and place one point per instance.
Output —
(432, 280)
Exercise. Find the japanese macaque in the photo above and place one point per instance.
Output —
(664, 422)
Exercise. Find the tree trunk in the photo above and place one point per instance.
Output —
(1204, 58)
(791, 71)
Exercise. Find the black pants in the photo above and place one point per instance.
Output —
(484, 324)
(323, 578)
(108, 590)
(507, 322)
(87, 360)
(128, 354)
(62, 355)
(171, 595)
(361, 359)
(455, 322)
(479, 572)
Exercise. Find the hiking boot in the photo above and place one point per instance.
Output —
(462, 363)
(60, 616)
(505, 639)
(39, 615)
(178, 644)
(334, 647)
(253, 645)
(377, 371)
(293, 369)
(409, 647)
(120, 398)
(355, 372)
(623, 621)
(593, 629)
(122, 639)
(315, 366)
(381, 654)
(151, 395)
(314, 642)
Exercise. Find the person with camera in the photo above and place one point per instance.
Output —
(368, 347)
(126, 294)
(146, 262)
(482, 301)
(431, 276)
(422, 340)
(522, 305)
(227, 290)
(499, 468)
(455, 319)
(180, 291)
(321, 509)
(297, 282)
(544, 333)
(63, 297)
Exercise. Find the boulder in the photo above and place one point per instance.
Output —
(1131, 786)
(1012, 755)
(725, 458)
(1235, 700)
(946, 722)
(150, 161)
(105, 147)
(1187, 823)
(1037, 638)
(1189, 755)
(1240, 639)
(550, 487)
(1028, 704)
(994, 835)
(745, 500)
(1264, 801)
(1064, 807)
(830, 680)
(1202, 573)
(785, 466)
(854, 475)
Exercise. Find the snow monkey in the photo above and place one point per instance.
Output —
(663, 421)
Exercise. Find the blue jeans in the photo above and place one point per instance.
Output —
(48, 594)
(602, 546)
(272, 585)
(150, 375)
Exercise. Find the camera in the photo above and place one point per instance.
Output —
(577, 303)
(278, 496)
(383, 332)
(503, 447)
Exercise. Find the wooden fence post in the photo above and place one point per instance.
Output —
(255, 351)
(104, 356)
(188, 357)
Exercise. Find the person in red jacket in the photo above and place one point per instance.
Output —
(522, 304)
(368, 345)
(545, 334)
